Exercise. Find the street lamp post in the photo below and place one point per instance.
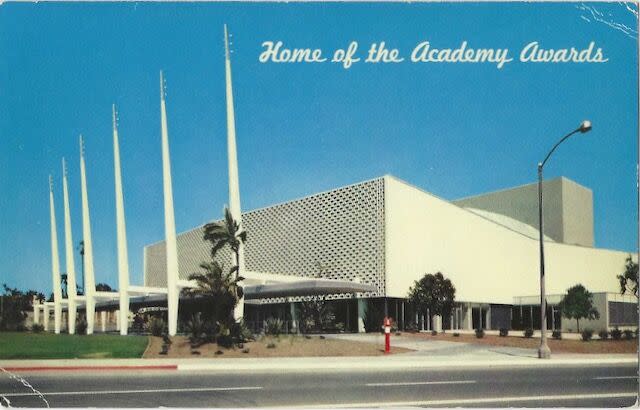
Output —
(543, 351)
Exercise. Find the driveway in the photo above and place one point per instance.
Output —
(429, 347)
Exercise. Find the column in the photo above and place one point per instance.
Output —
(36, 312)
(55, 266)
(45, 317)
(489, 318)
(89, 277)
(362, 311)
(123, 258)
(232, 158)
(103, 321)
(69, 249)
(119, 321)
(173, 292)
(294, 317)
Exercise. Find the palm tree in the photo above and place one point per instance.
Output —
(226, 232)
(219, 289)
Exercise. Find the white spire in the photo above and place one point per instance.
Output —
(232, 158)
(55, 266)
(70, 263)
(123, 258)
(89, 277)
(169, 220)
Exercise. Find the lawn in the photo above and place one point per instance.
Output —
(26, 345)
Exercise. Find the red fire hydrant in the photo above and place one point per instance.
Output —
(387, 335)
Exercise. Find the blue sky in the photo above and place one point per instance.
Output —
(453, 129)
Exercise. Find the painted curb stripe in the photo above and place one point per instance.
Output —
(77, 368)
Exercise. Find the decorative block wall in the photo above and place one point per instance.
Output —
(337, 234)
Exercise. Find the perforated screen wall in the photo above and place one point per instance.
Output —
(337, 235)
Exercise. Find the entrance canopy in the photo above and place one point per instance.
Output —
(310, 287)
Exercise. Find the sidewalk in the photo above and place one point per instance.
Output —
(379, 363)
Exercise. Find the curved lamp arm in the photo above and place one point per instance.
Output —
(584, 127)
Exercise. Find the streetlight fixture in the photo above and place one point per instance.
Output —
(543, 351)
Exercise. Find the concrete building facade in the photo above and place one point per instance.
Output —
(388, 233)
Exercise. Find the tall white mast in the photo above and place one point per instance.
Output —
(89, 278)
(55, 267)
(123, 258)
(70, 263)
(169, 220)
(234, 184)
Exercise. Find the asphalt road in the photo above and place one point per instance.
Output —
(566, 386)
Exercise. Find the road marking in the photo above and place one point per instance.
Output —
(421, 383)
(459, 402)
(614, 377)
(95, 392)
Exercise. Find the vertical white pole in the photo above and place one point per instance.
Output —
(55, 265)
(234, 184)
(173, 296)
(70, 263)
(123, 258)
(362, 311)
(36, 311)
(45, 317)
(89, 279)
(103, 321)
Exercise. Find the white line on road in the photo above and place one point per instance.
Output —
(421, 383)
(462, 402)
(80, 393)
(614, 377)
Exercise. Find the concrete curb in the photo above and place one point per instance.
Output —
(382, 364)
(305, 363)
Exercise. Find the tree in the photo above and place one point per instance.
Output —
(103, 287)
(316, 315)
(14, 307)
(434, 293)
(226, 232)
(578, 304)
(218, 291)
(629, 279)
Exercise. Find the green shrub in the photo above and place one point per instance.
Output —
(271, 345)
(528, 333)
(628, 334)
(603, 334)
(224, 338)
(434, 333)
(616, 334)
(195, 328)
(587, 334)
(37, 328)
(456, 334)
(241, 333)
(157, 326)
(504, 332)
(479, 333)
(273, 326)
(556, 334)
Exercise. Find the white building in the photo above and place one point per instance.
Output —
(388, 234)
